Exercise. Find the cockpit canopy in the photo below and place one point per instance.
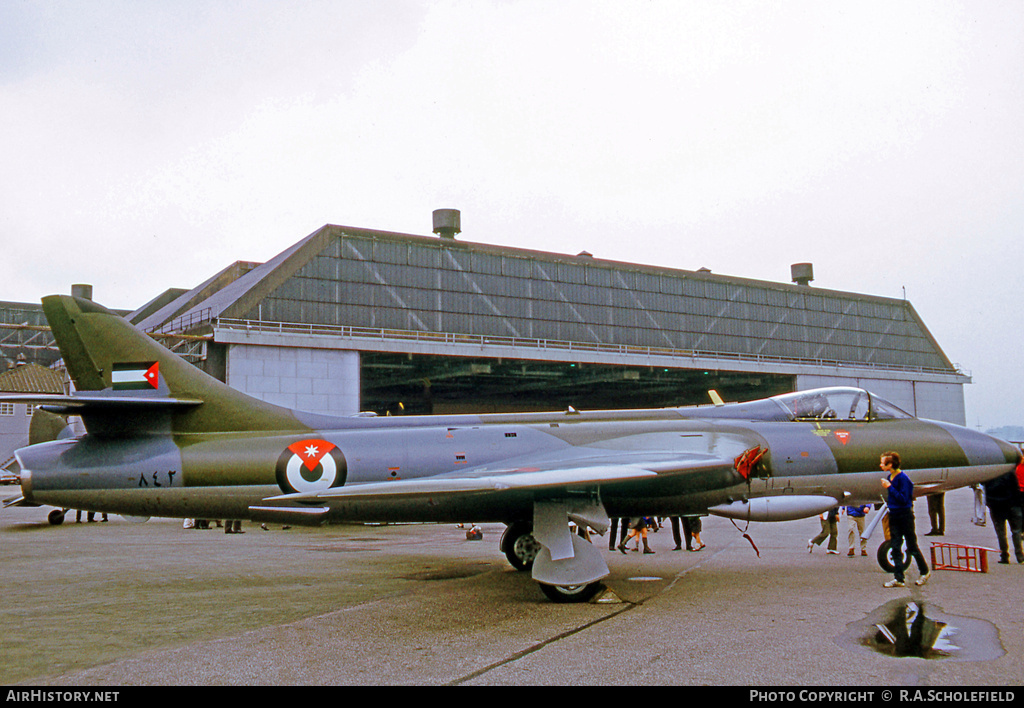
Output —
(838, 403)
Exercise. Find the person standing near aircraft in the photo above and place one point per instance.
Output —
(900, 501)
(829, 529)
(937, 514)
(1003, 498)
(638, 529)
(855, 516)
(692, 528)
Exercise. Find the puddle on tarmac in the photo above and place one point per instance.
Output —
(908, 628)
(448, 573)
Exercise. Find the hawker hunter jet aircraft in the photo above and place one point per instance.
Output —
(165, 439)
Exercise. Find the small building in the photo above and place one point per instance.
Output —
(15, 418)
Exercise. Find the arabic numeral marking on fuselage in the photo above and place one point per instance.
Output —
(157, 479)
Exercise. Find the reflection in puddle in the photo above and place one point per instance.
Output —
(908, 628)
(912, 633)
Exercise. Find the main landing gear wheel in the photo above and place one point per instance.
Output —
(571, 593)
(56, 517)
(519, 545)
(885, 557)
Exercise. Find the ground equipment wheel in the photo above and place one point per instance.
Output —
(885, 557)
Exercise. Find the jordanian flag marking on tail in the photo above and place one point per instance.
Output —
(134, 377)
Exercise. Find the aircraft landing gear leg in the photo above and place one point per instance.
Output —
(571, 593)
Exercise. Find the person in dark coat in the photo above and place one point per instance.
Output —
(1003, 497)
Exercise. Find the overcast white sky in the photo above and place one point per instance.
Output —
(148, 144)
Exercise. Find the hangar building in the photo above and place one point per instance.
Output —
(353, 319)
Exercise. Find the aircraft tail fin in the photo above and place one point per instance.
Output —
(105, 354)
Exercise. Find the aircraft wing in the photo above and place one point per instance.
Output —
(577, 476)
(543, 479)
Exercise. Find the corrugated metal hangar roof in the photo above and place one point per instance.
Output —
(344, 276)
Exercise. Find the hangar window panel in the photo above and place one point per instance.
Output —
(400, 275)
(363, 293)
(640, 299)
(757, 296)
(486, 263)
(352, 271)
(424, 257)
(516, 267)
(670, 285)
(599, 277)
(519, 288)
(716, 291)
(333, 248)
(693, 288)
(353, 316)
(688, 306)
(831, 304)
(326, 268)
(453, 259)
(777, 298)
(576, 332)
(760, 330)
(625, 279)
(461, 303)
(648, 283)
(545, 291)
(547, 310)
(396, 253)
(739, 310)
(495, 284)
(517, 307)
(761, 313)
(393, 318)
(481, 305)
(589, 313)
(289, 289)
(603, 334)
(571, 273)
(324, 291)
(545, 329)
(426, 278)
(570, 293)
(592, 296)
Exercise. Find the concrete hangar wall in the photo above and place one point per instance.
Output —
(352, 319)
